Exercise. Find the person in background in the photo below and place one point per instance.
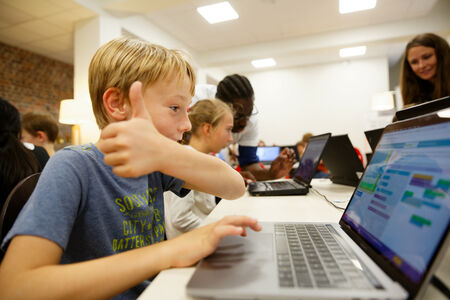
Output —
(40, 129)
(95, 234)
(212, 122)
(16, 161)
(236, 90)
(261, 143)
(300, 145)
(40, 153)
(425, 70)
(230, 155)
(306, 136)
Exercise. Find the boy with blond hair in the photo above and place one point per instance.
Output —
(94, 234)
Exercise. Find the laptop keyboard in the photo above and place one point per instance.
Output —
(308, 255)
(280, 185)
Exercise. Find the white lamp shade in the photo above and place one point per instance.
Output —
(383, 101)
(73, 112)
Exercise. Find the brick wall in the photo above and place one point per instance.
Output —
(35, 83)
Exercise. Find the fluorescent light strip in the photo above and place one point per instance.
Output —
(348, 6)
(354, 51)
(263, 63)
(219, 12)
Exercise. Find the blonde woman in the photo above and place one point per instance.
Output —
(212, 122)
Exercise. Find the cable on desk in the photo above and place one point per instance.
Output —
(440, 286)
(328, 200)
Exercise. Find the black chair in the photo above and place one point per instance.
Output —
(14, 203)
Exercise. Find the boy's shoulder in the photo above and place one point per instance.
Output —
(85, 149)
(78, 153)
(79, 161)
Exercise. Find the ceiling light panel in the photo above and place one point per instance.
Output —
(263, 63)
(219, 12)
(348, 6)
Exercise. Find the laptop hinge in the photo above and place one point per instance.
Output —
(301, 182)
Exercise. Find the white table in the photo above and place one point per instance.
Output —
(170, 284)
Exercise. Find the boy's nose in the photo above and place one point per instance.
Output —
(186, 126)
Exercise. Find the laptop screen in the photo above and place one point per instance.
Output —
(373, 136)
(402, 204)
(311, 157)
(423, 108)
(267, 153)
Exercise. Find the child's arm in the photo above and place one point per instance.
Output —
(135, 148)
(31, 269)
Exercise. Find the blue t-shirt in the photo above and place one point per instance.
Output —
(81, 205)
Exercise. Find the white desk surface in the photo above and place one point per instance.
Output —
(170, 284)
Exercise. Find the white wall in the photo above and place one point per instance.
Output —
(91, 34)
(142, 28)
(330, 97)
(319, 98)
(88, 36)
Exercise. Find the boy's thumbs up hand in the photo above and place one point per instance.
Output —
(138, 109)
(131, 147)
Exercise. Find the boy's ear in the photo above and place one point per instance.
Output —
(115, 104)
(42, 136)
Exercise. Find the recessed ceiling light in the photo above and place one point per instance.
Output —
(354, 51)
(348, 6)
(219, 12)
(264, 63)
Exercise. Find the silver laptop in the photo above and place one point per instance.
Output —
(386, 246)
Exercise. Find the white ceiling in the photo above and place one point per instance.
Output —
(294, 32)
(274, 20)
(41, 26)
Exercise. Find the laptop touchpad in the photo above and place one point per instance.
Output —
(234, 249)
(252, 257)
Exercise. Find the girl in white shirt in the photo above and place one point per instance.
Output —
(212, 122)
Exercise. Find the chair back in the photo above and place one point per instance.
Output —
(14, 203)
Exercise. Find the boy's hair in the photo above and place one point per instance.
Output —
(207, 111)
(123, 61)
(34, 122)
